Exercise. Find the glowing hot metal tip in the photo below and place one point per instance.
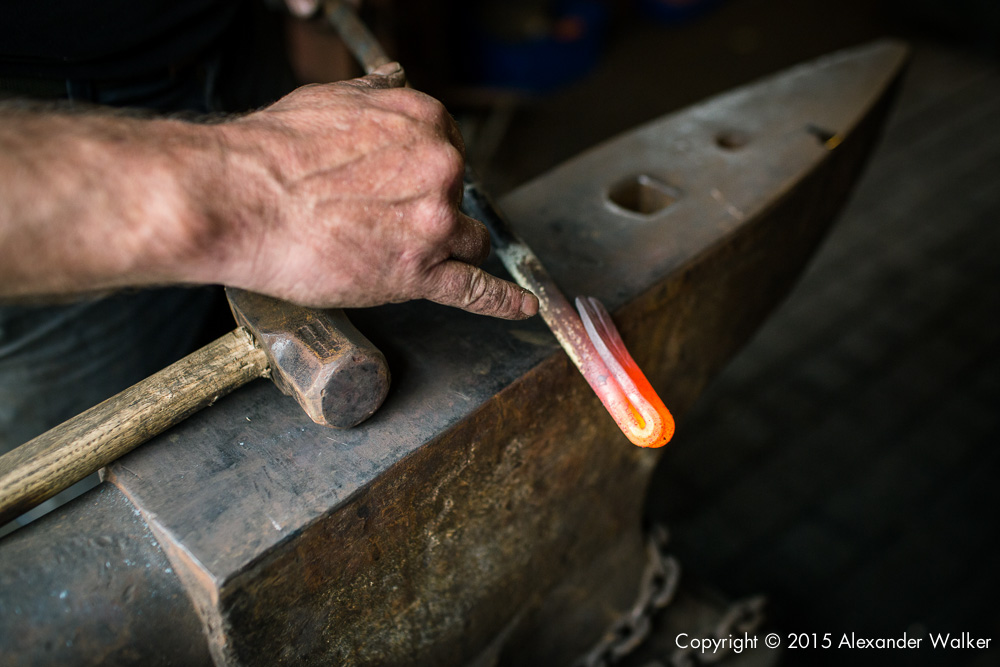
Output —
(619, 382)
(590, 338)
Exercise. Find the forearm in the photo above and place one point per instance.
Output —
(98, 201)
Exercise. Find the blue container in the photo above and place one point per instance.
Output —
(538, 63)
(676, 11)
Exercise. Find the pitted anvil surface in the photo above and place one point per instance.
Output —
(491, 475)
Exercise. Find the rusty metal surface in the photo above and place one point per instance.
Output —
(492, 493)
(96, 589)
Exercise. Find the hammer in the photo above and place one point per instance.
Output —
(316, 356)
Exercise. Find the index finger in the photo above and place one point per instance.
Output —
(455, 283)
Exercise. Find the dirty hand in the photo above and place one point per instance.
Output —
(348, 194)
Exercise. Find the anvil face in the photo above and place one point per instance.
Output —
(491, 476)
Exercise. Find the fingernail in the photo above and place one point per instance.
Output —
(529, 305)
(387, 69)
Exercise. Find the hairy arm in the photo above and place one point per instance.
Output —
(337, 195)
(91, 201)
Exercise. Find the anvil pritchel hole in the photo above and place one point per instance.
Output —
(731, 140)
(643, 195)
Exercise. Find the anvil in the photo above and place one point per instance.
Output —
(492, 495)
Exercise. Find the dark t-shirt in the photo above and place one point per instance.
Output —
(105, 39)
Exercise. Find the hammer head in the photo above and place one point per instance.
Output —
(317, 356)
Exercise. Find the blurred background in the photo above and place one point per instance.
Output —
(846, 464)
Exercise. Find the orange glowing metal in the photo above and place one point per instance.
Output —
(590, 338)
(619, 382)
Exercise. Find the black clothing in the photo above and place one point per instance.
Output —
(109, 39)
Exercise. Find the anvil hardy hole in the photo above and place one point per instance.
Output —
(731, 140)
(642, 194)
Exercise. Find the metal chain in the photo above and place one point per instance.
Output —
(741, 617)
(657, 589)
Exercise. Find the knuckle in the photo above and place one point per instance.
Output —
(429, 112)
(435, 184)
(477, 291)
(473, 290)
(410, 102)
(436, 221)
(444, 160)
(486, 295)
(311, 94)
(441, 118)
(427, 108)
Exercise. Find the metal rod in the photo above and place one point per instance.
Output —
(356, 35)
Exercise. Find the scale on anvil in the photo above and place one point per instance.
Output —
(491, 488)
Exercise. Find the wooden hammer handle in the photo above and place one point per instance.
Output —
(42, 467)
